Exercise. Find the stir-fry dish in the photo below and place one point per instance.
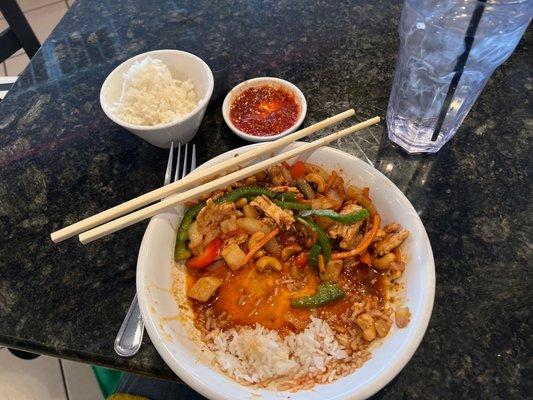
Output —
(291, 276)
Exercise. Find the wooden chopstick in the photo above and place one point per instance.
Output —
(191, 180)
(211, 186)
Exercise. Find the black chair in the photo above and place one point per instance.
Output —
(18, 36)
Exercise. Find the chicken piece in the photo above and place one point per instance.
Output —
(380, 235)
(276, 176)
(210, 217)
(402, 317)
(235, 239)
(285, 189)
(348, 232)
(389, 242)
(268, 222)
(204, 288)
(228, 225)
(283, 218)
(392, 227)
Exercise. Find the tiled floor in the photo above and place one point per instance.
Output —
(45, 378)
(43, 16)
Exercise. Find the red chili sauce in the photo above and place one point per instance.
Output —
(264, 110)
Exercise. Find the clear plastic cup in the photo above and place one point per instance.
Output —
(448, 50)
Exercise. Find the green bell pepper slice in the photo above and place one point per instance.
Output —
(292, 205)
(314, 252)
(343, 218)
(322, 238)
(305, 188)
(327, 292)
(181, 251)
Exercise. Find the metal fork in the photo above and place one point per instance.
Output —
(130, 335)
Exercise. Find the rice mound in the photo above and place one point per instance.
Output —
(257, 354)
(150, 96)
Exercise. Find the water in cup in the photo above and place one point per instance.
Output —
(448, 50)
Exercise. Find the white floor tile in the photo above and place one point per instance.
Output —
(2, 70)
(43, 20)
(26, 5)
(38, 379)
(81, 383)
(16, 64)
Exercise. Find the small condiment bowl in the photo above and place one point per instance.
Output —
(275, 82)
(182, 66)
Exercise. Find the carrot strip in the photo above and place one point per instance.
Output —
(330, 180)
(367, 241)
(365, 258)
(321, 264)
(260, 245)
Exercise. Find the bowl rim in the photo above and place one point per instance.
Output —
(379, 379)
(198, 108)
(300, 98)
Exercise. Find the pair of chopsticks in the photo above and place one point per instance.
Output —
(189, 187)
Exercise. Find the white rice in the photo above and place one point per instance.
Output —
(256, 354)
(150, 96)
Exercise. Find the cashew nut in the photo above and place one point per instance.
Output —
(366, 323)
(396, 269)
(383, 262)
(241, 202)
(268, 263)
(317, 180)
(249, 211)
(251, 180)
(289, 251)
(254, 239)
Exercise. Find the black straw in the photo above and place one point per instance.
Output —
(460, 65)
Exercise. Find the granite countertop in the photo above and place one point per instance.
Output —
(61, 160)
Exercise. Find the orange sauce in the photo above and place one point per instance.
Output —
(247, 297)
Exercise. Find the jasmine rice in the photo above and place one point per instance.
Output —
(150, 96)
(254, 354)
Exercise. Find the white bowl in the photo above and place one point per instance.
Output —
(183, 66)
(276, 82)
(177, 341)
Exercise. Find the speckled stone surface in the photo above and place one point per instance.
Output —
(61, 160)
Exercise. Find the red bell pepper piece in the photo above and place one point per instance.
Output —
(298, 170)
(302, 259)
(211, 251)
